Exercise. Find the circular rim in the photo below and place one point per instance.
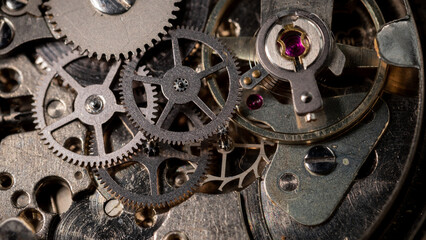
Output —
(278, 72)
(228, 108)
(109, 159)
(169, 199)
(309, 137)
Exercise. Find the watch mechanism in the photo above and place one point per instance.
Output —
(212, 119)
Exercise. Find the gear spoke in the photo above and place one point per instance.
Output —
(99, 138)
(68, 79)
(147, 80)
(93, 106)
(63, 121)
(203, 106)
(165, 113)
(128, 125)
(111, 74)
(177, 55)
(223, 165)
(76, 20)
(153, 179)
(119, 108)
(182, 85)
(212, 70)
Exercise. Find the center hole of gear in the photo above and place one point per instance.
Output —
(94, 104)
(181, 84)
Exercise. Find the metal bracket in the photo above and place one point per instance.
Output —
(311, 199)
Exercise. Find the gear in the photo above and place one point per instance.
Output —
(181, 86)
(94, 107)
(113, 34)
(162, 191)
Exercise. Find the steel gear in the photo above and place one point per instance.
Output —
(156, 197)
(179, 92)
(112, 34)
(94, 106)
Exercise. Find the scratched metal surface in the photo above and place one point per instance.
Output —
(362, 209)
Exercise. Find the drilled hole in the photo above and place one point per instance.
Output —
(145, 217)
(20, 199)
(369, 166)
(33, 217)
(6, 181)
(74, 145)
(175, 236)
(78, 175)
(10, 80)
(306, 97)
(53, 195)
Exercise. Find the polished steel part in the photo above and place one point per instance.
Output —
(29, 151)
(180, 97)
(398, 45)
(301, 73)
(320, 160)
(310, 203)
(21, 7)
(19, 26)
(113, 7)
(106, 35)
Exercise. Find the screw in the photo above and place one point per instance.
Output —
(6, 31)
(113, 208)
(55, 109)
(306, 97)
(320, 160)
(16, 5)
(180, 179)
(113, 7)
(94, 104)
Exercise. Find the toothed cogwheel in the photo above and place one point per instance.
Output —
(184, 86)
(173, 176)
(69, 115)
(110, 29)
